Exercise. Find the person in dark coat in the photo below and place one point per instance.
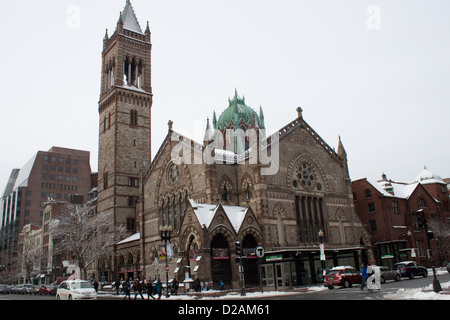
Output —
(117, 285)
(175, 286)
(137, 288)
(197, 286)
(95, 284)
(126, 289)
(149, 288)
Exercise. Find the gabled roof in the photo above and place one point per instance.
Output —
(129, 19)
(399, 190)
(205, 213)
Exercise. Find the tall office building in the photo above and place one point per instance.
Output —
(54, 174)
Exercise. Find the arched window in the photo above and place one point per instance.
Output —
(422, 203)
(175, 214)
(180, 203)
(133, 118)
(169, 213)
(163, 214)
(225, 193)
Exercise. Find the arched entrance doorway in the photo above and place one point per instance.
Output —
(191, 257)
(249, 245)
(220, 261)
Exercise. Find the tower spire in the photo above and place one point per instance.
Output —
(129, 19)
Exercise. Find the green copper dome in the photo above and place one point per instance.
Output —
(238, 115)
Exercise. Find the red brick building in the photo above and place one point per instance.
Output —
(388, 211)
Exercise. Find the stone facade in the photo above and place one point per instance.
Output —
(208, 206)
(125, 118)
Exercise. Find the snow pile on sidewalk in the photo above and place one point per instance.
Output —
(425, 293)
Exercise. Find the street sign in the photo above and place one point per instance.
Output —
(167, 268)
(260, 252)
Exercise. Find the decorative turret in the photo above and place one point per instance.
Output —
(341, 150)
(240, 118)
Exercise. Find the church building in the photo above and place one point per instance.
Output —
(196, 207)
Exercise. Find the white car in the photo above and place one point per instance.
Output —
(76, 290)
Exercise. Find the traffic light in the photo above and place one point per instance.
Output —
(238, 248)
(422, 219)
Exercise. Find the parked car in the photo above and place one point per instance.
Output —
(389, 274)
(76, 290)
(13, 289)
(410, 269)
(19, 289)
(4, 289)
(47, 289)
(35, 290)
(342, 276)
(28, 288)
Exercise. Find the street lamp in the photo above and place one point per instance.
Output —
(165, 236)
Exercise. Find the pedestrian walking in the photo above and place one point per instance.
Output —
(197, 285)
(149, 288)
(137, 289)
(175, 286)
(126, 289)
(222, 285)
(365, 275)
(117, 286)
(159, 288)
(95, 284)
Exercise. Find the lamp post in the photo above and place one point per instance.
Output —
(165, 236)
(322, 253)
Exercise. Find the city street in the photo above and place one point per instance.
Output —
(353, 293)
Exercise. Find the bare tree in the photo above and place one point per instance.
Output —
(441, 230)
(86, 235)
(32, 258)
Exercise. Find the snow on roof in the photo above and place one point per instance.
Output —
(341, 267)
(206, 212)
(404, 190)
(400, 190)
(236, 215)
(427, 177)
(133, 237)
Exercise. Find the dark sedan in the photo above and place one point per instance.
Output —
(410, 269)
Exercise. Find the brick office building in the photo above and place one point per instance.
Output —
(389, 210)
(54, 174)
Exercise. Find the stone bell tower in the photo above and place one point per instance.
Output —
(125, 118)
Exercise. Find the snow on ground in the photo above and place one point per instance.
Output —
(425, 293)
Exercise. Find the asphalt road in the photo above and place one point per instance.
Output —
(353, 293)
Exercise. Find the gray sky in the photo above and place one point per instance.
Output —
(375, 72)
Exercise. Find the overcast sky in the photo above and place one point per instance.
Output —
(375, 72)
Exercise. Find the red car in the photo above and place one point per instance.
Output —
(47, 289)
(342, 276)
